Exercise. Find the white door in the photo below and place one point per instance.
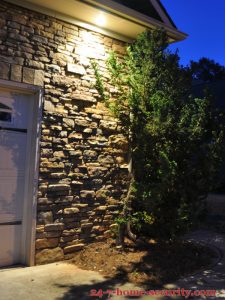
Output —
(14, 119)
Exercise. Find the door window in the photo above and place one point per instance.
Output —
(5, 113)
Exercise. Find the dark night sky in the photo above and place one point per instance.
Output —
(204, 22)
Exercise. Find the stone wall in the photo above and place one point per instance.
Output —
(83, 164)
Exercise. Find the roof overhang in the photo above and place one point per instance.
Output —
(121, 22)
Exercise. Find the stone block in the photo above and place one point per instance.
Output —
(112, 207)
(46, 243)
(58, 187)
(70, 232)
(86, 194)
(90, 154)
(59, 154)
(102, 195)
(76, 69)
(18, 37)
(73, 248)
(71, 211)
(72, 31)
(61, 59)
(108, 126)
(76, 183)
(35, 64)
(81, 122)
(45, 217)
(19, 18)
(100, 238)
(28, 75)
(53, 234)
(90, 52)
(54, 227)
(105, 160)
(4, 70)
(66, 239)
(49, 255)
(62, 80)
(76, 136)
(2, 23)
(3, 34)
(56, 26)
(68, 122)
(83, 97)
(16, 73)
(101, 208)
(40, 39)
(77, 153)
(44, 201)
(53, 68)
(88, 130)
(86, 228)
(40, 229)
(49, 106)
(119, 141)
(82, 206)
(39, 77)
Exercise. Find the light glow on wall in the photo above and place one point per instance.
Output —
(100, 20)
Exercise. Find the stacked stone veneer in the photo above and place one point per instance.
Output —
(83, 171)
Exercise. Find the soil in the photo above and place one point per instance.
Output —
(155, 262)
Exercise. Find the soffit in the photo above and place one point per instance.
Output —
(120, 20)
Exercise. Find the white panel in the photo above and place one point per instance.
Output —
(10, 237)
(12, 174)
(13, 164)
(12, 152)
(21, 107)
(11, 199)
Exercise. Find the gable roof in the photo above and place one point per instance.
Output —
(150, 8)
(166, 13)
(143, 6)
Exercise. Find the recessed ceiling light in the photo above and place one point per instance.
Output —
(100, 20)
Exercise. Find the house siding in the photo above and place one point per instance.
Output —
(83, 162)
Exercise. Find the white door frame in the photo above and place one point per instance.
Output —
(32, 169)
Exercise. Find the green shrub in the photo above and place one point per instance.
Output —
(176, 140)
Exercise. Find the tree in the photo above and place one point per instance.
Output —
(206, 70)
(176, 140)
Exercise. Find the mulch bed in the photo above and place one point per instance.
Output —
(155, 262)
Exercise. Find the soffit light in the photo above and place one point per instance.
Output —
(100, 20)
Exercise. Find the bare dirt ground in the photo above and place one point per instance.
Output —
(154, 262)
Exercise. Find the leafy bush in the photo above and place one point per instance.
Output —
(177, 141)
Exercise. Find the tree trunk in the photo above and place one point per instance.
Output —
(126, 226)
(120, 235)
